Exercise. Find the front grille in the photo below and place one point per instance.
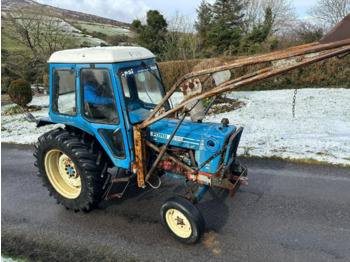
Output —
(230, 153)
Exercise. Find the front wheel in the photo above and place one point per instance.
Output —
(182, 219)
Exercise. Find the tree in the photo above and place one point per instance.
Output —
(329, 12)
(230, 11)
(221, 38)
(251, 43)
(283, 13)
(204, 20)
(38, 29)
(21, 65)
(136, 26)
(41, 33)
(306, 32)
(222, 32)
(181, 34)
(156, 21)
(151, 35)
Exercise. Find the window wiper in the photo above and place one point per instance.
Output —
(159, 80)
(151, 71)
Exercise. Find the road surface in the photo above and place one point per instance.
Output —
(289, 212)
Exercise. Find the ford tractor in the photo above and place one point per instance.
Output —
(114, 112)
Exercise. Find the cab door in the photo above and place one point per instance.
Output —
(101, 112)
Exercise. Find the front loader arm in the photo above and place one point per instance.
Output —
(335, 43)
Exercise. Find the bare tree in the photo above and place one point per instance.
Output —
(283, 11)
(306, 32)
(181, 34)
(329, 12)
(38, 29)
(39, 32)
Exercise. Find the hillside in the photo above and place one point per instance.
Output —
(31, 32)
(7, 6)
(84, 29)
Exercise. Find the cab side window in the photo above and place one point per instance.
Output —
(98, 98)
(63, 92)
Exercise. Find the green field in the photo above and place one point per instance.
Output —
(109, 30)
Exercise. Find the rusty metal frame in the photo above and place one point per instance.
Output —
(282, 61)
(320, 52)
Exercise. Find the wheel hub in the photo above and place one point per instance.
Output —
(178, 223)
(68, 171)
(63, 174)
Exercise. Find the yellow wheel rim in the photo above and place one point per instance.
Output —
(63, 175)
(178, 223)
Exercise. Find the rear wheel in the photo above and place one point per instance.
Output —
(62, 174)
(70, 169)
(182, 219)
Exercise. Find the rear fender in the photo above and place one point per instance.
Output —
(49, 121)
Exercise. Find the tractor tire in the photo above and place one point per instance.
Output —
(182, 218)
(69, 169)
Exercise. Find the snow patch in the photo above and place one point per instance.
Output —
(320, 129)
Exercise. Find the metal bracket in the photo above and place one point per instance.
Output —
(341, 57)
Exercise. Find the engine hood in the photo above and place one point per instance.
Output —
(199, 136)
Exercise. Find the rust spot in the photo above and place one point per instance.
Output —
(191, 87)
(300, 58)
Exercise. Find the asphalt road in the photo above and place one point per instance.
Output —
(289, 212)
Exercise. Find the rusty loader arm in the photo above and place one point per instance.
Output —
(335, 43)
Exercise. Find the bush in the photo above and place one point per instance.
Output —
(117, 39)
(332, 72)
(20, 92)
(5, 83)
(171, 71)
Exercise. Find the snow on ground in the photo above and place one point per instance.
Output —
(17, 129)
(78, 33)
(8, 259)
(320, 129)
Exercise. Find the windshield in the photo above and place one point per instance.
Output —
(143, 90)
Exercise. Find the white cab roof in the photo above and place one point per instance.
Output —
(101, 55)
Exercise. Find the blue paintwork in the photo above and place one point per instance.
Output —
(205, 138)
(78, 121)
(194, 136)
(201, 192)
(138, 115)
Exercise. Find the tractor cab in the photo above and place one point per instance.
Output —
(104, 92)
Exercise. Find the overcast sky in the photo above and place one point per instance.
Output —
(128, 10)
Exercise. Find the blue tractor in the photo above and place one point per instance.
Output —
(101, 96)
(115, 113)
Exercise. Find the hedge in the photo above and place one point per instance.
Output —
(332, 72)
